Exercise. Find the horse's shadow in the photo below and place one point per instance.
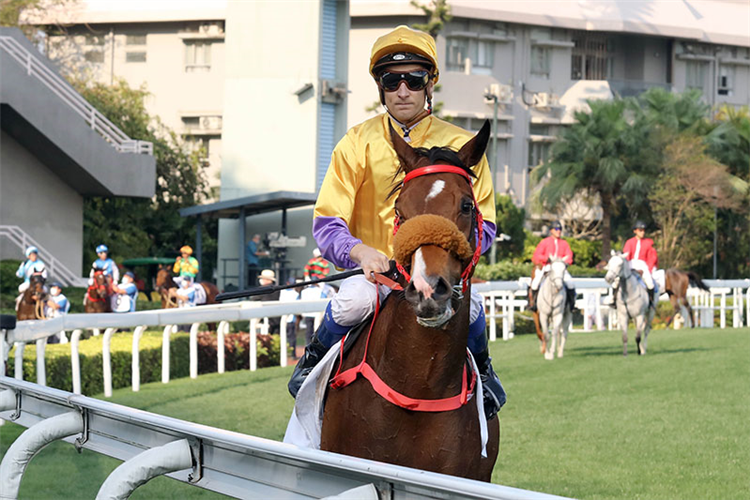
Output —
(617, 351)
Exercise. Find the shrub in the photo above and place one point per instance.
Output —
(236, 351)
(502, 271)
(8, 280)
(510, 220)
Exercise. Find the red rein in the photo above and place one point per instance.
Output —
(342, 379)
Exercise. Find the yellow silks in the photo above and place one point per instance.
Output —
(361, 171)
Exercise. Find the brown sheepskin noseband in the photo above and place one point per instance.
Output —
(429, 229)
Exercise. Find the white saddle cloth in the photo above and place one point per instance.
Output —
(200, 294)
(306, 422)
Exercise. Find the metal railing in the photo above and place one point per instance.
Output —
(23, 240)
(218, 460)
(97, 121)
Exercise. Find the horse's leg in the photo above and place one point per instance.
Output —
(675, 308)
(686, 303)
(567, 319)
(544, 320)
(647, 328)
(639, 324)
(539, 332)
(622, 318)
(557, 319)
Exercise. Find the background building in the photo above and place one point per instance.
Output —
(55, 149)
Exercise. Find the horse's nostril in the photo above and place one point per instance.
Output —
(442, 289)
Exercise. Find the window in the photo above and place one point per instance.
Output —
(695, 74)
(135, 39)
(538, 129)
(197, 56)
(191, 122)
(538, 153)
(592, 57)
(726, 78)
(481, 53)
(135, 57)
(94, 56)
(540, 57)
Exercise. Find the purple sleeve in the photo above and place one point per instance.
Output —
(335, 241)
(490, 230)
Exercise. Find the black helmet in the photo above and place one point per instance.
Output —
(556, 225)
(639, 224)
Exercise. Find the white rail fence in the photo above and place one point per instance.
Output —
(35, 68)
(218, 460)
(56, 269)
(502, 301)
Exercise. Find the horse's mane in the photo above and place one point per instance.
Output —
(436, 155)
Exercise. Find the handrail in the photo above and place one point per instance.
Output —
(237, 464)
(56, 268)
(97, 121)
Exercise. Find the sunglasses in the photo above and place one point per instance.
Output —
(415, 80)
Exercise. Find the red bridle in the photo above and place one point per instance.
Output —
(448, 169)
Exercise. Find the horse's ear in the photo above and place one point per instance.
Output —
(471, 153)
(612, 252)
(406, 154)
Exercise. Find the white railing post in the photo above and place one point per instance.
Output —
(493, 316)
(107, 361)
(135, 367)
(253, 344)
(220, 331)
(282, 339)
(18, 360)
(75, 361)
(41, 370)
(723, 312)
(165, 354)
(194, 350)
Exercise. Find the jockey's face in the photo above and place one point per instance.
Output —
(555, 232)
(185, 255)
(403, 103)
(54, 290)
(639, 233)
(33, 256)
(102, 255)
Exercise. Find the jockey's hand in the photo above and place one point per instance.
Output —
(370, 259)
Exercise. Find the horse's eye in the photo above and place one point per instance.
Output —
(466, 206)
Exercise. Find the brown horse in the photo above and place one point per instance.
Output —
(535, 314)
(98, 294)
(408, 347)
(676, 283)
(166, 287)
(33, 299)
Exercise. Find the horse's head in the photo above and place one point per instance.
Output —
(36, 284)
(437, 223)
(557, 272)
(163, 277)
(617, 267)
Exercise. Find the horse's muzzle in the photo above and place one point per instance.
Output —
(432, 304)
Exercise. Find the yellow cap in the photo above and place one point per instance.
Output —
(186, 249)
(407, 40)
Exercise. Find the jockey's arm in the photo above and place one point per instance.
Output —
(21, 273)
(176, 267)
(115, 272)
(485, 196)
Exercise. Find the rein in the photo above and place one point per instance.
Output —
(342, 379)
(478, 220)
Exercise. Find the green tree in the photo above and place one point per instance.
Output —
(134, 227)
(438, 13)
(510, 220)
(599, 158)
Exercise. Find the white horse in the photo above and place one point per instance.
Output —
(551, 304)
(631, 299)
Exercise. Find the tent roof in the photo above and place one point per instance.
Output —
(253, 205)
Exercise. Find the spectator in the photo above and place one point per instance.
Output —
(57, 305)
(267, 278)
(317, 267)
(126, 294)
(186, 295)
(252, 256)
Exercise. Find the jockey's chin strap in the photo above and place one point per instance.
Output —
(342, 379)
(478, 220)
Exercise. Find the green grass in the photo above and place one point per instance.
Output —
(672, 424)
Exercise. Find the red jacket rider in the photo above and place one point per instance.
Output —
(646, 252)
(552, 247)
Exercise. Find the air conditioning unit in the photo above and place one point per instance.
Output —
(541, 99)
(210, 29)
(211, 122)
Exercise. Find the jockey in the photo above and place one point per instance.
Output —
(127, 293)
(32, 265)
(104, 264)
(186, 294)
(353, 218)
(185, 265)
(552, 246)
(642, 255)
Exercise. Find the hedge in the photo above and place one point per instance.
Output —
(90, 352)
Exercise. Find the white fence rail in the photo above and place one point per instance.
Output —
(56, 269)
(502, 300)
(97, 121)
(226, 462)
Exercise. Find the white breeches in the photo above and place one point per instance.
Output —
(356, 300)
(540, 274)
(24, 286)
(639, 265)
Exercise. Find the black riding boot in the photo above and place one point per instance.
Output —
(532, 300)
(494, 394)
(314, 352)
(651, 297)
(571, 299)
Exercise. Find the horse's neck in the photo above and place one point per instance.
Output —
(422, 362)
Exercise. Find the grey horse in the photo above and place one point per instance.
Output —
(631, 300)
(551, 304)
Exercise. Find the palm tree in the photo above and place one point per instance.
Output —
(600, 158)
